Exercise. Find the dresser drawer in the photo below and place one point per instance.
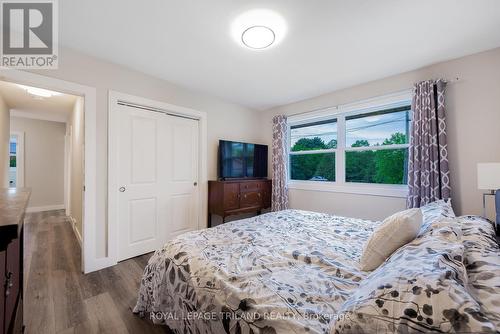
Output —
(250, 199)
(250, 186)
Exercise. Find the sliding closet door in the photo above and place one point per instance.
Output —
(158, 174)
(142, 203)
(184, 193)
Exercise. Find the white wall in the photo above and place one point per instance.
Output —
(225, 120)
(4, 143)
(473, 115)
(43, 160)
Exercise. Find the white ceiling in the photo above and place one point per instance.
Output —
(55, 108)
(330, 44)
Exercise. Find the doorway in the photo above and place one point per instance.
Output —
(16, 159)
(91, 261)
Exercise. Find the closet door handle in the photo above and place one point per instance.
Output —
(195, 183)
(122, 189)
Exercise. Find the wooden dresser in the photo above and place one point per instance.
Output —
(13, 204)
(234, 197)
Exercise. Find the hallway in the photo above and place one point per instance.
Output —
(58, 298)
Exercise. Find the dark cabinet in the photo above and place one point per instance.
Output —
(230, 195)
(13, 274)
(226, 198)
(12, 207)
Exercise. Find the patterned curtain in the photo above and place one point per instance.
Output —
(428, 170)
(280, 190)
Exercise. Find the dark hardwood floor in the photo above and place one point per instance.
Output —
(58, 298)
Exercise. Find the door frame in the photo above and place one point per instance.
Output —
(90, 261)
(19, 157)
(113, 98)
(68, 143)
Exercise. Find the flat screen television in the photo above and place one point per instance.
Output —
(242, 160)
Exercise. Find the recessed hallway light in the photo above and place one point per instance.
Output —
(40, 92)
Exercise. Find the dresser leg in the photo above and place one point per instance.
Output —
(209, 222)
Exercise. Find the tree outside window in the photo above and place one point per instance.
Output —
(375, 148)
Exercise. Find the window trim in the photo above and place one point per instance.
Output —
(340, 113)
(290, 127)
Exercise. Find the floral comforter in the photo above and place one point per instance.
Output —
(297, 272)
(286, 272)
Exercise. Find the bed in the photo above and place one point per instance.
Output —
(297, 272)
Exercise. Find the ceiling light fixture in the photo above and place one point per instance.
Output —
(39, 91)
(258, 37)
(258, 29)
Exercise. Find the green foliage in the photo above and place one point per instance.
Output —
(360, 166)
(360, 143)
(13, 161)
(306, 144)
(389, 166)
(396, 138)
(308, 166)
(332, 144)
(390, 163)
(377, 166)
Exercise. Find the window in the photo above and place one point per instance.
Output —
(377, 146)
(13, 161)
(312, 151)
(357, 148)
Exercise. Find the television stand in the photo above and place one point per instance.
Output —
(234, 197)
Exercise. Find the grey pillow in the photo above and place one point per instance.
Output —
(436, 211)
(422, 288)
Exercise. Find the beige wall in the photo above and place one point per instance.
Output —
(225, 120)
(43, 160)
(4, 143)
(75, 129)
(473, 111)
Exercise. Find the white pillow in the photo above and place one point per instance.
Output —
(395, 231)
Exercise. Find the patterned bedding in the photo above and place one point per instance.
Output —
(297, 272)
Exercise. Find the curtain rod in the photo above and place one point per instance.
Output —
(336, 107)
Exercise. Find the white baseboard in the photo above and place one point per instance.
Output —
(45, 208)
(72, 221)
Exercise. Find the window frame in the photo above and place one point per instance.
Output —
(340, 113)
(326, 150)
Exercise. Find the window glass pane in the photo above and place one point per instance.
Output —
(313, 167)
(314, 136)
(13, 162)
(13, 145)
(377, 166)
(380, 128)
